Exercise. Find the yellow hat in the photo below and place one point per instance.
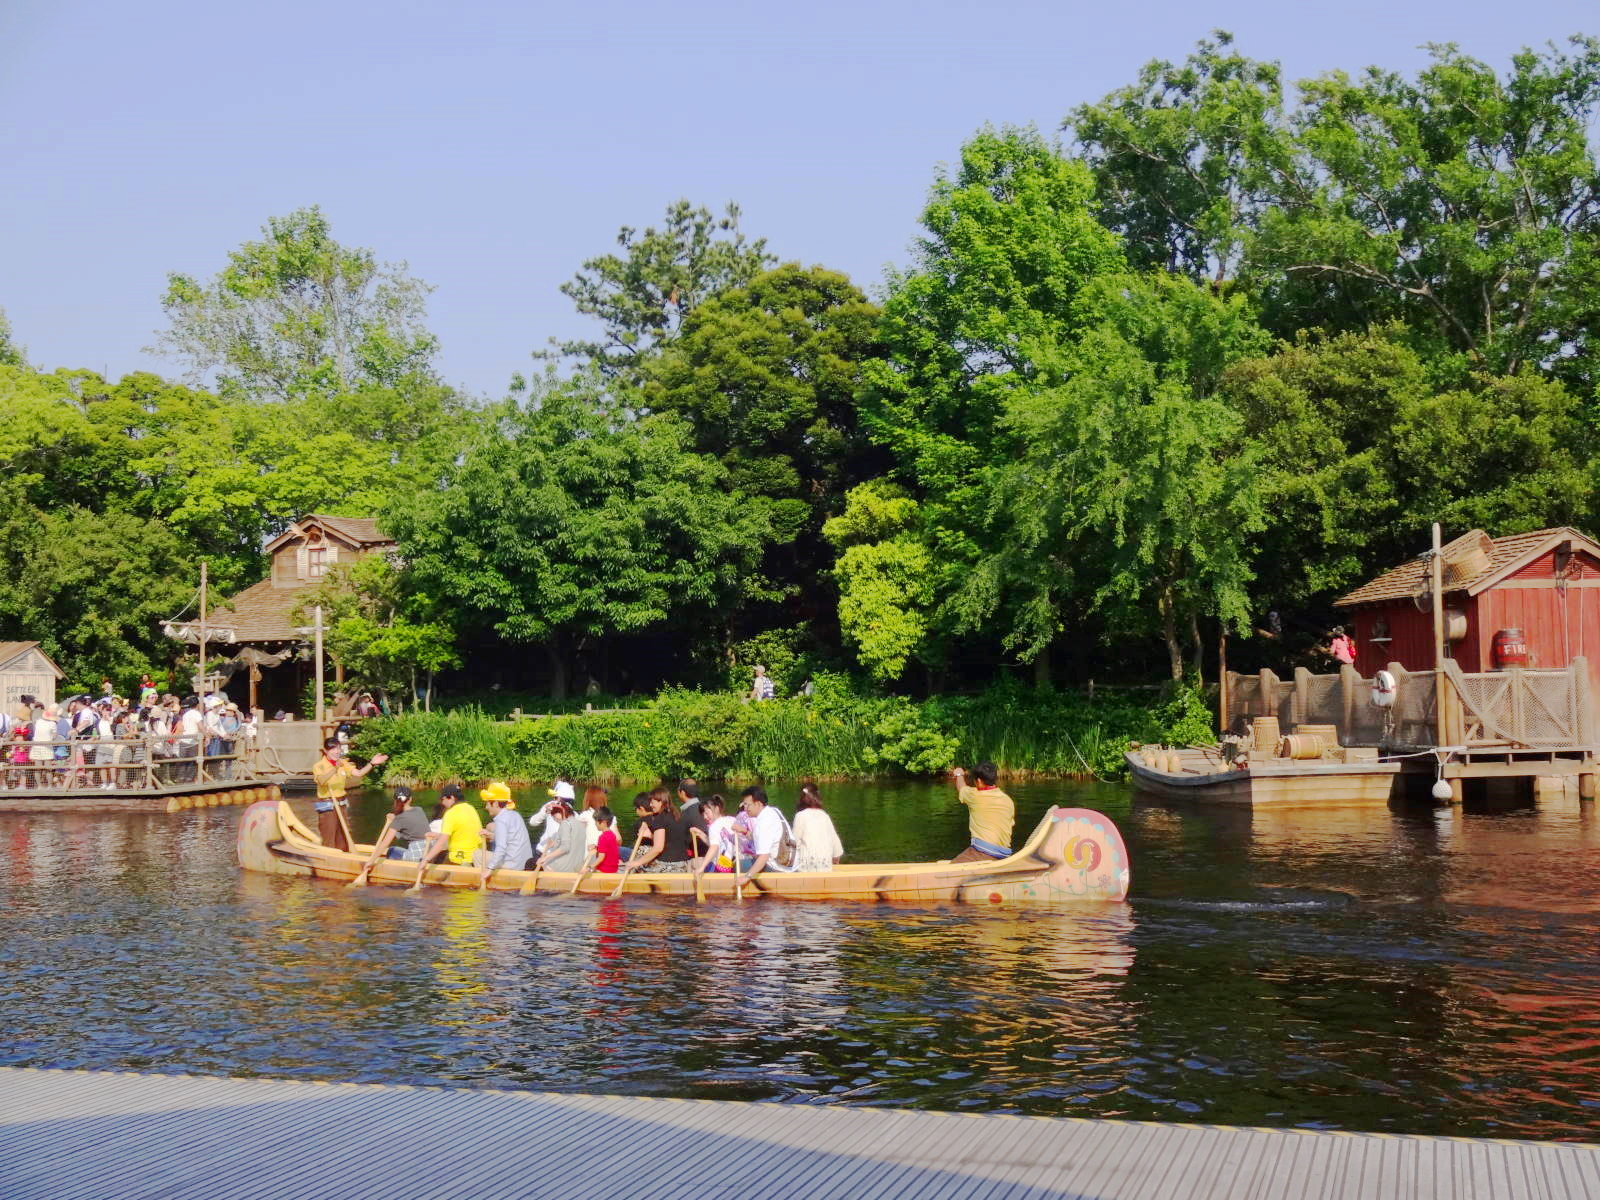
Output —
(499, 793)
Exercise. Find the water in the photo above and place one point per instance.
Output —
(1346, 969)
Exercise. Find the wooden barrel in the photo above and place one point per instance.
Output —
(1510, 648)
(1266, 733)
(1300, 745)
(1328, 733)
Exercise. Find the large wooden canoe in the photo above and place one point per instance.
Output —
(1203, 778)
(1074, 855)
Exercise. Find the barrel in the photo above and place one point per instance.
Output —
(1266, 733)
(1328, 733)
(1300, 745)
(1510, 648)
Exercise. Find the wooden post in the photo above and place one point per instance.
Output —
(1302, 694)
(1222, 679)
(200, 667)
(1441, 725)
(1269, 692)
(317, 631)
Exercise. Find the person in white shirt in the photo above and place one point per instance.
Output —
(769, 834)
(817, 842)
(722, 838)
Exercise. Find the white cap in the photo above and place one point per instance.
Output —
(562, 791)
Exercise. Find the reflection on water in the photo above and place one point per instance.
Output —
(1418, 971)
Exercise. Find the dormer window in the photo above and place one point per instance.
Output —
(316, 561)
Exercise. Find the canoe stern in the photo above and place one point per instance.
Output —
(1086, 857)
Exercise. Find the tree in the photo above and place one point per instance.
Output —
(1011, 241)
(885, 575)
(1360, 450)
(11, 354)
(381, 629)
(642, 296)
(1132, 483)
(297, 314)
(1188, 159)
(568, 519)
(766, 376)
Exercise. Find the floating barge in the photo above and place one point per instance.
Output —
(1196, 774)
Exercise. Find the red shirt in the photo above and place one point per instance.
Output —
(610, 850)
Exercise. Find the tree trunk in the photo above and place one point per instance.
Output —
(1199, 649)
(1041, 665)
(558, 669)
(427, 697)
(1169, 630)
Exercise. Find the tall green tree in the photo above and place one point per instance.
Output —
(570, 519)
(1132, 485)
(298, 314)
(642, 296)
(766, 375)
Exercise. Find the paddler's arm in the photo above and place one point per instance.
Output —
(756, 868)
(377, 760)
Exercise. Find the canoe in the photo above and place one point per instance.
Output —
(1203, 778)
(1073, 855)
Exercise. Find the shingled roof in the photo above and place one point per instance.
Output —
(11, 651)
(358, 532)
(1506, 554)
(261, 613)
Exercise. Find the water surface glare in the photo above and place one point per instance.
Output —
(1351, 969)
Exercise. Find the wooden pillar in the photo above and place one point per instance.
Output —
(1441, 707)
(1269, 692)
(1302, 694)
(1586, 787)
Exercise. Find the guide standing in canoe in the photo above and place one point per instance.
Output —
(991, 813)
(334, 773)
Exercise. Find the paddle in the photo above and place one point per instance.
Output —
(699, 868)
(532, 885)
(423, 865)
(638, 840)
(361, 879)
(338, 808)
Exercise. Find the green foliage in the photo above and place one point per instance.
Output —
(643, 295)
(571, 519)
(886, 577)
(1185, 719)
(297, 314)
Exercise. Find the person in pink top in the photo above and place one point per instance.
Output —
(1343, 646)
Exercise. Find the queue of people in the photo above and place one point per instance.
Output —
(112, 742)
(678, 832)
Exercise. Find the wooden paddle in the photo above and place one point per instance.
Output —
(699, 870)
(361, 879)
(423, 865)
(638, 840)
(532, 885)
(338, 808)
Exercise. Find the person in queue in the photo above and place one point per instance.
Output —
(991, 814)
(457, 839)
(509, 848)
(817, 844)
(407, 833)
(566, 851)
(769, 836)
(663, 849)
(333, 774)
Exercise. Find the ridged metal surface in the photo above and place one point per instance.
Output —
(70, 1135)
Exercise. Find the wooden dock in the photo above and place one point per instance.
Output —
(83, 1135)
(158, 798)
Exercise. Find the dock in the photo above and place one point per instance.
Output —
(83, 1135)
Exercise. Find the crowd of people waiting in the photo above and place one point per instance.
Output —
(110, 741)
(678, 831)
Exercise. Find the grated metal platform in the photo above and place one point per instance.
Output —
(82, 1135)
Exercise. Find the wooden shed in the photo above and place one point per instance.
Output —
(1538, 583)
(26, 670)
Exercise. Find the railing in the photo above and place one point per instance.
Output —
(1533, 709)
(118, 765)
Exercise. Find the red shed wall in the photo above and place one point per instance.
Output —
(1410, 633)
(1560, 623)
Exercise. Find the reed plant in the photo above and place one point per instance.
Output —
(837, 733)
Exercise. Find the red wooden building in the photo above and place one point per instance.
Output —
(1539, 583)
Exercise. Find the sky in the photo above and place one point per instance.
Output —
(494, 146)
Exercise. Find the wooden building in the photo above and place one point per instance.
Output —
(1536, 583)
(261, 618)
(26, 670)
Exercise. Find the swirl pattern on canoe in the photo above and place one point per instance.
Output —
(1086, 857)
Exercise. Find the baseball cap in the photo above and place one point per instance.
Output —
(450, 789)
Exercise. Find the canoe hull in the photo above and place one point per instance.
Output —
(1073, 855)
(1284, 784)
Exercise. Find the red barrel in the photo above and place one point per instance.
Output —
(1510, 648)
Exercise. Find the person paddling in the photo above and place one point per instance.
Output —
(510, 848)
(991, 816)
(457, 838)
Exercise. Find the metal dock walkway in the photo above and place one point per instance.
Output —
(80, 1135)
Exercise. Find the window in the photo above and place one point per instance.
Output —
(316, 561)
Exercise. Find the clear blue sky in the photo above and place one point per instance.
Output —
(495, 145)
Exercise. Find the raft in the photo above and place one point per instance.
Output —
(1073, 855)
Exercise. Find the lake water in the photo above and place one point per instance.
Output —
(1416, 971)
